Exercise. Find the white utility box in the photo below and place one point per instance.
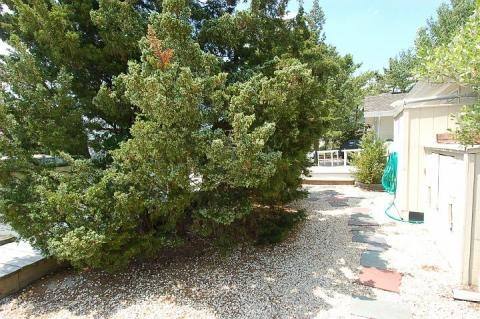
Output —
(452, 195)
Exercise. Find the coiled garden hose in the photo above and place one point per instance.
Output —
(389, 183)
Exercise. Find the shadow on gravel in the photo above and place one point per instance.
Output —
(310, 272)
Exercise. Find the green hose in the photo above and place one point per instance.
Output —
(389, 183)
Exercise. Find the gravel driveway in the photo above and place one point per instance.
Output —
(310, 275)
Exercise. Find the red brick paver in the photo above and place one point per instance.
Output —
(388, 280)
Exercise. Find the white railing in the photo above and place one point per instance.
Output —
(331, 153)
(332, 156)
(345, 155)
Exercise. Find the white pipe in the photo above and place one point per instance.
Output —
(436, 98)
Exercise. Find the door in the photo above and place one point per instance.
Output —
(450, 220)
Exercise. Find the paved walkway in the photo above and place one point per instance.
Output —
(315, 273)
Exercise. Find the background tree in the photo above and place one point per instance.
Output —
(401, 73)
(459, 61)
(399, 76)
(316, 20)
(345, 111)
(447, 51)
(374, 83)
(440, 30)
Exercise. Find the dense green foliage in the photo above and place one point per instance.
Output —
(178, 119)
(346, 118)
(441, 29)
(275, 227)
(399, 76)
(370, 162)
(468, 131)
(401, 73)
(459, 60)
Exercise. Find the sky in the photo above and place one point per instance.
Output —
(373, 30)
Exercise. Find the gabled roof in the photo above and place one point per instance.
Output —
(381, 105)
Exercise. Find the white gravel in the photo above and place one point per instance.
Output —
(310, 275)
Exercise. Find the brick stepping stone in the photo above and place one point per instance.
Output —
(371, 229)
(377, 309)
(360, 219)
(373, 259)
(388, 280)
(370, 239)
(367, 230)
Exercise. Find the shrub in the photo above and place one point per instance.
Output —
(209, 117)
(265, 226)
(274, 228)
(370, 162)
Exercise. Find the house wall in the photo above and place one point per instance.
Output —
(382, 126)
(416, 128)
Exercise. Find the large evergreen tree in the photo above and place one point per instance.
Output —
(176, 118)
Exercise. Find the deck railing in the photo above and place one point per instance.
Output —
(345, 155)
(331, 154)
(332, 157)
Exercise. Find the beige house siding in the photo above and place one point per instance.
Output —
(416, 128)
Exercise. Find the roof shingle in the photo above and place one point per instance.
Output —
(382, 102)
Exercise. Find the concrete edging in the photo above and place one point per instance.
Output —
(24, 276)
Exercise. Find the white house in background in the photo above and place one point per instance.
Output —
(442, 181)
(378, 113)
